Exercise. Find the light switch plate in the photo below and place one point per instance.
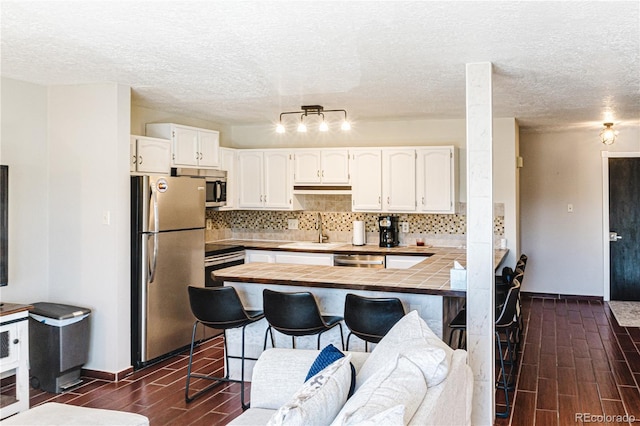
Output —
(404, 226)
(292, 223)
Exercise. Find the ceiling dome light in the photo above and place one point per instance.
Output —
(608, 135)
(280, 128)
(346, 125)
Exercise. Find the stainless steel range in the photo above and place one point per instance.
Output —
(219, 256)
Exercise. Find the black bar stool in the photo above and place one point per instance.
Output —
(371, 318)
(220, 308)
(296, 314)
(507, 323)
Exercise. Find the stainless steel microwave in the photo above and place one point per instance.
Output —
(216, 181)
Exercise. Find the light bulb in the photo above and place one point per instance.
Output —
(323, 126)
(301, 127)
(608, 135)
(280, 128)
(345, 125)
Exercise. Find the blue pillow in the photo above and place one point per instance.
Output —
(326, 357)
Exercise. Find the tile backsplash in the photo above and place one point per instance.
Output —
(337, 222)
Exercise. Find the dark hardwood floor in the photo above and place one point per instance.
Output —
(576, 360)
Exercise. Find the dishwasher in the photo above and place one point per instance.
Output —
(359, 260)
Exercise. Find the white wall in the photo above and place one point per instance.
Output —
(406, 133)
(89, 178)
(565, 249)
(23, 146)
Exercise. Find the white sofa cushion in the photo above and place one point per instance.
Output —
(319, 399)
(399, 383)
(413, 338)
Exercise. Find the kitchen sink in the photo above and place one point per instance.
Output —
(311, 245)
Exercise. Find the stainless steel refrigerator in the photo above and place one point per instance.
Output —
(167, 250)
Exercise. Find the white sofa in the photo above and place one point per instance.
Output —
(445, 400)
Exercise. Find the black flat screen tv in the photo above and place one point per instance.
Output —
(4, 225)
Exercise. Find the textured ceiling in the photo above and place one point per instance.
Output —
(557, 64)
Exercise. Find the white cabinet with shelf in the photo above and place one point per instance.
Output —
(383, 179)
(191, 146)
(14, 358)
(149, 155)
(321, 167)
(436, 179)
(228, 163)
(264, 180)
(366, 179)
(398, 180)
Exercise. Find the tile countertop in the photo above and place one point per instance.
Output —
(431, 276)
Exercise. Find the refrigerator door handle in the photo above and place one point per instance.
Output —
(154, 259)
(154, 200)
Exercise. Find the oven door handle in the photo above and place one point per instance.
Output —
(224, 258)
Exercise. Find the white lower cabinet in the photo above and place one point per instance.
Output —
(403, 262)
(268, 256)
(325, 259)
(261, 256)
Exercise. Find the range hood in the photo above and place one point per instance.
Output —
(322, 189)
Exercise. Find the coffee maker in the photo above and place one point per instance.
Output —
(389, 234)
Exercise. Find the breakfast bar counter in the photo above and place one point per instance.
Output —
(424, 287)
(431, 276)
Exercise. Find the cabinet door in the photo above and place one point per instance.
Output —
(264, 256)
(277, 182)
(366, 180)
(307, 167)
(228, 163)
(133, 154)
(250, 174)
(185, 146)
(399, 179)
(335, 166)
(436, 180)
(209, 144)
(153, 155)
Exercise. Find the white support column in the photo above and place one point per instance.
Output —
(480, 270)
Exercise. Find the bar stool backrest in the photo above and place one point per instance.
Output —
(292, 313)
(371, 318)
(217, 307)
(508, 312)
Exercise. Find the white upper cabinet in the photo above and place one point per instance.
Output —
(399, 180)
(228, 163)
(437, 179)
(149, 155)
(366, 179)
(265, 180)
(321, 166)
(192, 147)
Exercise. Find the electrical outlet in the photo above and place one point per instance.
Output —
(292, 223)
(404, 226)
(570, 208)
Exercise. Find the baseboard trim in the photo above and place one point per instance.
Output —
(531, 295)
(105, 375)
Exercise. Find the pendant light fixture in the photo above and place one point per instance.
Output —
(607, 134)
(318, 110)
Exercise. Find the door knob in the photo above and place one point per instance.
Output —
(613, 236)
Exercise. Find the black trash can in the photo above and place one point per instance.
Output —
(58, 345)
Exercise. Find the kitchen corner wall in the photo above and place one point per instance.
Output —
(446, 230)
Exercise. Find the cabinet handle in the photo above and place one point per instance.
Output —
(318, 173)
(323, 173)
(201, 156)
(388, 202)
(423, 201)
(135, 160)
(140, 162)
(265, 198)
(197, 155)
(379, 200)
(260, 198)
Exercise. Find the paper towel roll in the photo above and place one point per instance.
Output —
(358, 233)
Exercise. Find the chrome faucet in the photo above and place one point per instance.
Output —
(321, 238)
